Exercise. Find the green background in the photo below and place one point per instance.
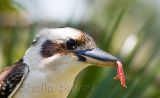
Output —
(115, 27)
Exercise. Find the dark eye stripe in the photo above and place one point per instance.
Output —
(49, 49)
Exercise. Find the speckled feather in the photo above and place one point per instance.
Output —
(11, 77)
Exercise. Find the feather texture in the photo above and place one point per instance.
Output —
(11, 78)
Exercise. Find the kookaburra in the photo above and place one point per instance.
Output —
(51, 64)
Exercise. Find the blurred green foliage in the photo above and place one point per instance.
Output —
(111, 26)
(6, 5)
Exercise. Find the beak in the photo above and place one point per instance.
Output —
(98, 57)
(102, 58)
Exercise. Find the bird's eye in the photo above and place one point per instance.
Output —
(71, 44)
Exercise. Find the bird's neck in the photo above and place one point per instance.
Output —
(59, 74)
(65, 75)
(57, 83)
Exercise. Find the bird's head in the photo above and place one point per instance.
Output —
(64, 46)
(67, 51)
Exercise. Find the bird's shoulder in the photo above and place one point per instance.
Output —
(11, 78)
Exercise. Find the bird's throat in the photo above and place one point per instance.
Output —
(49, 83)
